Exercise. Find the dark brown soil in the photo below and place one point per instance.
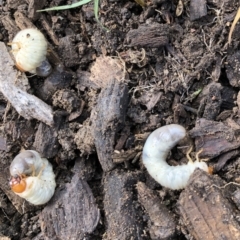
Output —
(157, 64)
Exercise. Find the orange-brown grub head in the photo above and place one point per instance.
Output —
(210, 170)
(17, 184)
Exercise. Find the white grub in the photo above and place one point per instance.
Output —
(155, 152)
(32, 177)
(29, 48)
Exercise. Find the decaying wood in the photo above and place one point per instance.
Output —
(22, 21)
(14, 3)
(108, 118)
(122, 216)
(206, 211)
(161, 222)
(10, 25)
(26, 105)
(198, 9)
(33, 6)
(236, 198)
(154, 35)
(213, 102)
(233, 69)
(123, 156)
(48, 27)
(224, 158)
(105, 69)
(71, 213)
(46, 141)
(214, 138)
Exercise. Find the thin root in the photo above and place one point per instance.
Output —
(237, 17)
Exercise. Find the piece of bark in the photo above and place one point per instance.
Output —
(122, 216)
(71, 213)
(46, 141)
(105, 69)
(213, 102)
(205, 210)
(123, 137)
(233, 69)
(229, 97)
(3, 143)
(224, 158)
(161, 222)
(198, 9)
(108, 118)
(123, 156)
(48, 27)
(154, 35)
(85, 167)
(22, 21)
(33, 6)
(21, 131)
(238, 102)
(214, 138)
(14, 3)
(236, 198)
(25, 104)
(10, 25)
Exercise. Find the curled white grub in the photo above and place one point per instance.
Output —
(155, 152)
(32, 177)
(29, 48)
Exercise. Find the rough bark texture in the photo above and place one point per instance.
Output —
(108, 118)
(205, 210)
(122, 217)
(71, 213)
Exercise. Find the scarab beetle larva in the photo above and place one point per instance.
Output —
(155, 152)
(29, 48)
(32, 177)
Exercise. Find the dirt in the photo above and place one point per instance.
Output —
(161, 62)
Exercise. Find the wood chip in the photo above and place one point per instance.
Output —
(205, 209)
(214, 138)
(233, 68)
(154, 35)
(46, 141)
(121, 214)
(107, 119)
(71, 213)
(161, 222)
(25, 104)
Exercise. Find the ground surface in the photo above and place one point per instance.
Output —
(108, 91)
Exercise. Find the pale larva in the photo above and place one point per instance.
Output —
(29, 48)
(32, 177)
(155, 152)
